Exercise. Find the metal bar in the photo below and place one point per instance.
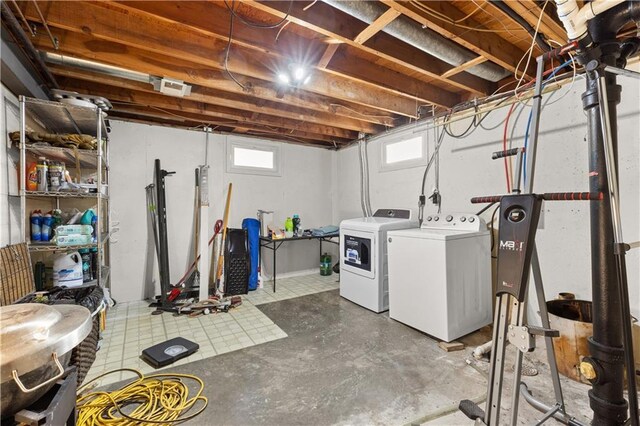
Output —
(544, 317)
(535, 128)
(23, 169)
(494, 393)
(54, 40)
(559, 415)
(548, 415)
(24, 20)
(275, 250)
(622, 71)
(612, 179)
(517, 368)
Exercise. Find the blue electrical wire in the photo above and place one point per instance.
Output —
(526, 133)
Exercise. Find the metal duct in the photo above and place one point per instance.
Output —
(55, 58)
(428, 41)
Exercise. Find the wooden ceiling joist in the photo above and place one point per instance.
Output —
(376, 26)
(332, 23)
(130, 28)
(115, 93)
(486, 44)
(214, 97)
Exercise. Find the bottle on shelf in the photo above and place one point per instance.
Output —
(87, 268)
(42, 174)
(46, 231)
(36, 225)
(32, 177)
(56, 176)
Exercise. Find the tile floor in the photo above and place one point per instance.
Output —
(131, 328)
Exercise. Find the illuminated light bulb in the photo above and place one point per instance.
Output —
(306, 80)
(283, 78)
(298, 73)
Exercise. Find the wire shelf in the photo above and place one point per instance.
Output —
(57, 117)
(87, 158)
(63, 194)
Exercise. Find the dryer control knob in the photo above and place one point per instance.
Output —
(472, 219)
(436, 218)
(463, 219)
(449, 218)
(389, 239)
(429, 218)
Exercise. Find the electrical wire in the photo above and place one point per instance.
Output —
(154, 399)
(507, 169)
(529, 52)
(445, 18)
(257, 24)
(228, 49)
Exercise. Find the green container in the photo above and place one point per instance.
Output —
(325, 264)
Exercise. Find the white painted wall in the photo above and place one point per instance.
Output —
(466, 170)
(9, 205)
(304, 187)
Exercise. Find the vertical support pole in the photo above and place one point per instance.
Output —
(606, 395)
(23, 172)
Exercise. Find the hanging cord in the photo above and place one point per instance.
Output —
(422, 198)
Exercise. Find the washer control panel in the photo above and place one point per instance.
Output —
(458, 221)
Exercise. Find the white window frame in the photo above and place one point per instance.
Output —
(407, 164)
(272, 147)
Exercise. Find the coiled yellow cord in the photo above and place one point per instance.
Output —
(154, 399)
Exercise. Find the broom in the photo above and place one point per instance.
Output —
(225, 224)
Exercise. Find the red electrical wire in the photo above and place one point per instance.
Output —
(507, 172)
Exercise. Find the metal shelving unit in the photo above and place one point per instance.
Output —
(61, 118)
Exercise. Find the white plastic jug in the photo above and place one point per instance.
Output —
(67, 269)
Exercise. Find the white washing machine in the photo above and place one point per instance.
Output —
(440, 275)
(363, 257)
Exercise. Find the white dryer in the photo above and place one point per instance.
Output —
(363, 256)
(440, 275)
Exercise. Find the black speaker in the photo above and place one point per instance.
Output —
(237, 262)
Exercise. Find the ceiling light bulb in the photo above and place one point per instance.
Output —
(283, 78)
(306, 80)
(298, 73)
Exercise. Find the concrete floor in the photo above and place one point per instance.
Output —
(342, 364)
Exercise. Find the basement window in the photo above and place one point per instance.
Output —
(244, 156)
(403, 153)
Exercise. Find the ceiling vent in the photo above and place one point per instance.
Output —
(171, 87)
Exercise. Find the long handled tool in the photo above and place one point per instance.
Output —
(225, 224)
(194, 278)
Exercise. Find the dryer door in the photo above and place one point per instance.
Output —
(358, 252)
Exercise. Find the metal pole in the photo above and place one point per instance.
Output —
(606, 395)
(23, 170)
(619, 249)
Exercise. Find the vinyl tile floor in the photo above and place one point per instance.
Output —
(131, 328)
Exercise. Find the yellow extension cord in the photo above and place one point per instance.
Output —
(154, 399)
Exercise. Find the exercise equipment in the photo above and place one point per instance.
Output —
(168, 352)
(236, 263)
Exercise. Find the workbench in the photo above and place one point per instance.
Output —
(274, 245)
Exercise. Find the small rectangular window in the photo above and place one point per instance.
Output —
(404, 153)
(245, 156)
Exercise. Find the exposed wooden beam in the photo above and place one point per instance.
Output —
(530, 11)
(214, 97)
(86, 47)
(327, 55)
(113, 23)
(160, 101)
(158, 119)
(376, 26)
(334, 24)
(489, 45)
(388, 78)
(468, 64)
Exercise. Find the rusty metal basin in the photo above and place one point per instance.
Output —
(573, 319)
